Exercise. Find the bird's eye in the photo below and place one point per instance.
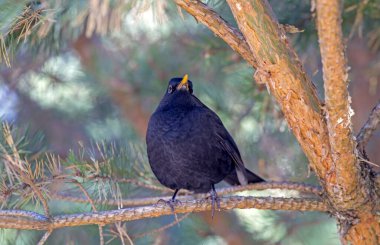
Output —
(170, 89)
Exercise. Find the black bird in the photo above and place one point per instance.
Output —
(189, 147)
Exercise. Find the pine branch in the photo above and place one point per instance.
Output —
(129, 214)
(218, 26)
(221, 191)
(369, 127)
(20, 169)
(350, 192)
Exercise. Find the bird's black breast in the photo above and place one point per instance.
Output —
(184, 148)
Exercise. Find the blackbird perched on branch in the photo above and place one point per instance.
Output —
(189, 147)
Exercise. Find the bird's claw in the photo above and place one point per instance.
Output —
(171, 203)
(214, 201)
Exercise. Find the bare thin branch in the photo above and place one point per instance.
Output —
(137, 213)
(45, 237)
(101, 235)
(369, 127)
(219, 26)
(221, 191)
(122, 232)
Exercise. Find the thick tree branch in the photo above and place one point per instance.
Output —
(219, 26)
(369, 127)
(129, 214)
(280, 69)
(350, 190)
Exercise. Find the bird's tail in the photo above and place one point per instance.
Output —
(232, 178)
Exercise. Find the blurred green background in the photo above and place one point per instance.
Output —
(87, 71)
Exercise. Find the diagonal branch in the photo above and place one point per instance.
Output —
(369, 127)
(219, 26)
(45, 237)
(350, 186)
(282, 72)
(129, 214)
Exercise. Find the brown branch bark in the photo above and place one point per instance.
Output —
(351, 191)
(129, 214)
(317, 191)
(354, 192)
(282, 72)
(233, 37)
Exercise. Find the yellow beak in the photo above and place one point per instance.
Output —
(184, 82)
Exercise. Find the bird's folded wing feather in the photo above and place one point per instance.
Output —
(225, 140)
(240, 168)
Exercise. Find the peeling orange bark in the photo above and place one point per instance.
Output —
(355, 192)
(351, 191)
(365, 232)
(282, 72)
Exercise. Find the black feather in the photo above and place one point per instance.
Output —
(188, 145)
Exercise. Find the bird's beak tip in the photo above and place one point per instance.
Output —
(184, 83)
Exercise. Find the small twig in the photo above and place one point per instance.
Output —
(45, 237)
(369, 127)
(369, 162)
(101, 234)
(118, 228)
(161, 229)
(123, 233)
(85, 192)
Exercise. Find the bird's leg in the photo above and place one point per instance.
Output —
(214, 200)
(172, 202)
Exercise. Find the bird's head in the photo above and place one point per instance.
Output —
(178, 93)
(180, 85)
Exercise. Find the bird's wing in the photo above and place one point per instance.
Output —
(225, 139)
(235, 155)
